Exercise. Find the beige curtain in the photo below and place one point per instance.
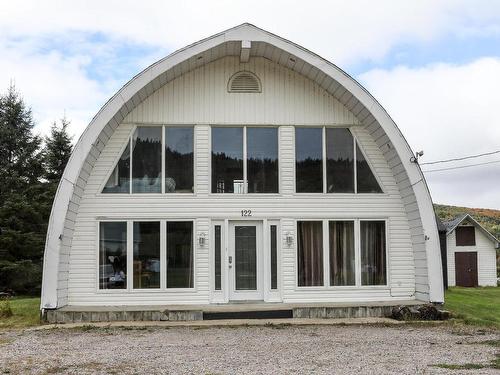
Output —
(373, 269)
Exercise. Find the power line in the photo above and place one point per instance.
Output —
(463, 158)
(462, 166)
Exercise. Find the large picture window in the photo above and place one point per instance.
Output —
(140, 168)
(310, 253)
(329, 160)
(180, 257)
(355, 252)
(112, 255)
(146, 244)
(244, 160)
(373, 253)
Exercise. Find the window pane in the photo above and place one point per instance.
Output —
(178, 160)
(180, 254)
(339, 161)
(119, 181)
(367, 183)
(218, 250)
(146, 255)
(274, 257)
(310, 253)
(146, 160)
(342, 266)
(113, 255)
(373, 255)
(465, 236)
(245, 257)
(309, 156)
(262, 160)
(227, 160)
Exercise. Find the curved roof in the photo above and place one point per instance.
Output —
(251, 41)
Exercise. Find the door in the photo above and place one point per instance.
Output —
(245, 261)
(466, 269)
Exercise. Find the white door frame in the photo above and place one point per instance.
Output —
(239, 295)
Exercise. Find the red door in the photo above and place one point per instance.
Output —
(466, 268)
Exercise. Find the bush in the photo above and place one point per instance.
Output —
(23, 277)
(5, 310)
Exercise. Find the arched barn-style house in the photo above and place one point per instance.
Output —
(240, 168)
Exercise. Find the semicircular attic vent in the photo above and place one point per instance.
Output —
(244, 82)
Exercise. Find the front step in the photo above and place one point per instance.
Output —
(259, 314)
(74, 314)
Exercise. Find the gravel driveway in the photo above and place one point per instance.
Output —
(244, 350)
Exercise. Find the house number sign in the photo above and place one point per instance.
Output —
(246, 213)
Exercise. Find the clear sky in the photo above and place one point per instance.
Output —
(433, 64)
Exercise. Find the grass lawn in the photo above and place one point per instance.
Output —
(476, 306)
(25, 310)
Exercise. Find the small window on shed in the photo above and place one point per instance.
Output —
(244, 82)
(465, 236)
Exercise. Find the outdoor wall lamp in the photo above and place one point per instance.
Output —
(202, 239)
(289, 239)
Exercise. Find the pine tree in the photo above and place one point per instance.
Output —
(20, 157)
(57, 151)
(24, 197)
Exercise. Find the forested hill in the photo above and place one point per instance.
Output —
(489, 219)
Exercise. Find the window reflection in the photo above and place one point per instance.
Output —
(180, 254)
(227, 160)
(113, 255)
(367, 183)
(146, 160)
(119, 181)
(262, 160)
(146, 254)
(339, 161)
(178, 160)
(309, 157)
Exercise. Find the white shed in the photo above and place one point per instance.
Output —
(471, 253)
(242, 167)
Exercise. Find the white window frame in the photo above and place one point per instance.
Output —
(324, 159)
(163, 139)
(357, 255)
(130, 257)
(245, 167)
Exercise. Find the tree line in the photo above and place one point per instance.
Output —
(30, 169)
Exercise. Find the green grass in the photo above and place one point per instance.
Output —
(25, 313)
(475, 306)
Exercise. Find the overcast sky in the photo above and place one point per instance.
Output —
(434, 65)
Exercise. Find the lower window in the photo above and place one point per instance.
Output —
(342, 263)
(113, 255)
(180, 254)
(373, 253)
(146, 244)
(310, 253)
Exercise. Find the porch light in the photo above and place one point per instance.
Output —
(289, 239)
(202, 239)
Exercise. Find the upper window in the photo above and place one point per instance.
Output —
(330, 160)
(244, 167)
(141, 170)
(465, 236)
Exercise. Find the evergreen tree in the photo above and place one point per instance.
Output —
(57, 151)
(24, 198)
(20, 157)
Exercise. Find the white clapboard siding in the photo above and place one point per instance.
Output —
(201, 96)
(486, 258)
